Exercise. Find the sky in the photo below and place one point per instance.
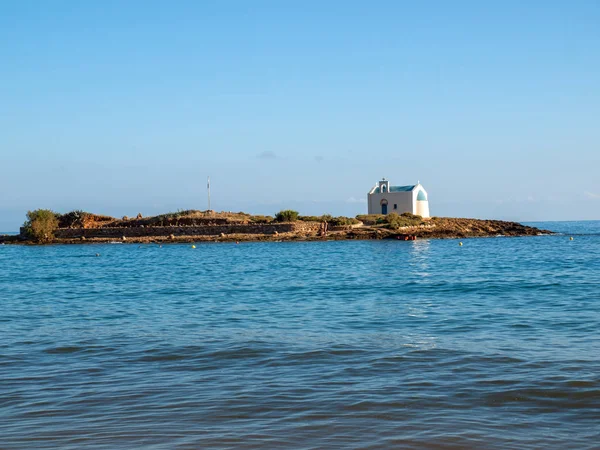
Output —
(122, 108)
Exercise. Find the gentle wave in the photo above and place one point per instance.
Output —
(425, 345)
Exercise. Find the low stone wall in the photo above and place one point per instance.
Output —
(9, 238)
(306, 227)
(213, 230)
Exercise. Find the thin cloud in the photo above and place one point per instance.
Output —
(592, 195)
(319, 158)
(267, 155)
(356, 200)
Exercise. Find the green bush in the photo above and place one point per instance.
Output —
(310, 218)
(323, 218)
(370, 219)
(287, 215)
(333, 221)
(40, 224)
(394, 221)
(72, 219)
(411, 216)
(342, 221)
(261, 219)
(391, 220)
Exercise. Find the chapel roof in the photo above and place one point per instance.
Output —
(397, 189)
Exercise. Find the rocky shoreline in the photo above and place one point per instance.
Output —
(435, 228)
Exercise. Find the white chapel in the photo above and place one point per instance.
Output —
(385, 199)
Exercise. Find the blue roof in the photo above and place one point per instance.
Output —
(398, 189)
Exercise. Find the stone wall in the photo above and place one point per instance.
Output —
(306, 227)
(213, 230)
(9, 238)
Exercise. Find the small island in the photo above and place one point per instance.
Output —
(48, 227)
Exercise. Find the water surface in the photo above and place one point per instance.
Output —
(372, 344)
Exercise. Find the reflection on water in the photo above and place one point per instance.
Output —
(420, 255)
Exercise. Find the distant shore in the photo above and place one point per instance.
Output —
(208, 226)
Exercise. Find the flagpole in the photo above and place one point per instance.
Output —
(208, 189)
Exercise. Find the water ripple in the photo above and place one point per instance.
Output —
(302, 345)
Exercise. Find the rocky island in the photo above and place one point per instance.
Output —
(45, 226)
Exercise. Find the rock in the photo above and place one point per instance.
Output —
(139, 216)
(123, 238)
(172, 237)
(125, 218)
(82, 238)
(223, 235)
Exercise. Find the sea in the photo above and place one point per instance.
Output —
(423, 344)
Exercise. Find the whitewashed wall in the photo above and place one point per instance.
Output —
(404, 200)
(421, 207)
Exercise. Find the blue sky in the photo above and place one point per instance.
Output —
(125, 107)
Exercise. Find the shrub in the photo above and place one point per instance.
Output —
(342, 221)
(287, 215)
(72, 219)
(394, 221)
(382, 220)
(40, 224)
(324, 218)
(333, 221)
(261, 219)
(370, 219)
(310, 218)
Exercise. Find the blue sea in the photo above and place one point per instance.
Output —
(358, 344)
